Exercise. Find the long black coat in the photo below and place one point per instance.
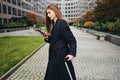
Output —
(62, 42)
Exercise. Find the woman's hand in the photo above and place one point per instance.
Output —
(45, 35)
(70, 57)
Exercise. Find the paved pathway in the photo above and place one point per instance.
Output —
(95, 60)
(28, 32)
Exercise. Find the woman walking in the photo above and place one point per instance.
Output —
(62, 44)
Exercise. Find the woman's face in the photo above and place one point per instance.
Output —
(51, 14)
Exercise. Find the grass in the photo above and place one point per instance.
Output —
(14, 48)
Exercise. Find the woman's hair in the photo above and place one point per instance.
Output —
(57, 13)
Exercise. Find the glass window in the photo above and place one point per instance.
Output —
(4, 9)
(5, 20)
(14, 2)
(0, 8)
(19, 3)
(91, 4)
(0, 20)
(9, 10)
(19, 12)
(9, 1)
(9, 20)
(23, 13)
(14, 11)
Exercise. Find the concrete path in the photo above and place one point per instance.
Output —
(95, 60)
(28, 32)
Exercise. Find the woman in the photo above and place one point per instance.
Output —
(62, 45)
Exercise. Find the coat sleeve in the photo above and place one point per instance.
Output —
(69, 37)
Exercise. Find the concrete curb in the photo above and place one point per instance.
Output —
(108, 37)
(7, 74)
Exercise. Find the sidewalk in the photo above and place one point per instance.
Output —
(28, 32)
(95, 60)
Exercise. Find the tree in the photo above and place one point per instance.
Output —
(107, 9)
(32, 17)
(89, 15)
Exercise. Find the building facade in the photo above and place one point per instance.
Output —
(86, 5)
(71, 9)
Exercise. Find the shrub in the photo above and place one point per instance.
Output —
(110, 26)
(38, 25)
(97, 26)
(104, 27)
(81, 22)
(117, 26)
(14, 25)
(88, 24)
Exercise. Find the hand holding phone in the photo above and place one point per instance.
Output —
(43, 33)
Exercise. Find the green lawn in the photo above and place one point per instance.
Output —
(14, 48)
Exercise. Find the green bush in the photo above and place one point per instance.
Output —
(97, 26)
(104, 27)
(110, 26)
(14, 24)
(117, 26)
(38, 25)
(81, 22)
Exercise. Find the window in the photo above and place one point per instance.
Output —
(9, 1)
(0, 8)
(91, 4)
(19, 3)
(14, 2)
(0, 20)
(69, 4)
(5, 20)
(28, 0)
(9, 20)
(23, 13)
(19, 12)
(9, 10)
(4, 9)
(14, 11)
(65, 11)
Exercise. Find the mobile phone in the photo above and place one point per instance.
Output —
(44, 34)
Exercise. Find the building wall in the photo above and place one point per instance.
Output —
(71, 9)
(86, 5)
(14, 8)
